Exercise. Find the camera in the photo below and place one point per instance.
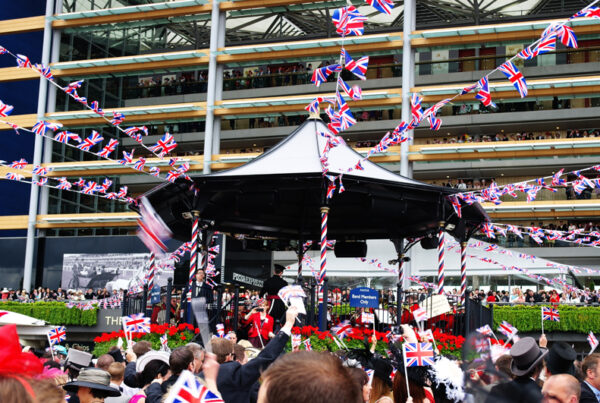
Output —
(259, 309)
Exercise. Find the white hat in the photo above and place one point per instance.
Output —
(5, 290)
(150, 356)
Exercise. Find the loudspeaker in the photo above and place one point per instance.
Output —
(350, 249)
(430, 242)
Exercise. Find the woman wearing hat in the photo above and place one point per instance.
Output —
(150, 367)
(92, 386)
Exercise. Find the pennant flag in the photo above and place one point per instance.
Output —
(415, 108)
(135, 132)
(527, 53)
(56, 335)
(320, 75)
(14, 177)
(550, 314)
(109, 148)
(127, 158)
(165, 145)
(20, 164)
(188, 389)
(64, 184)
(96, 108)
(515, 77)
(547, 44)
(117, 119)
(64, 137)
(353, 92)
(483, 94)
(136, 323)
(356, 67)
(91, 141)
(418, 354)
(72, 87)
(41, 127)
(589, 12)
(140, 164)
(23, 61)
(383, 6)
(346, 118)
(5, 109)
(567, 36)
(348, 21)
(155, 171)
(468, 89)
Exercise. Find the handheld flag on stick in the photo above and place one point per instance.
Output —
(188, 389)
(593, 342)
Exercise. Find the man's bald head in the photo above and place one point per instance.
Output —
(561, 388)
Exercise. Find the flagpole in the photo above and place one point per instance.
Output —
(405, 371)
(542, 316)
(51, 349)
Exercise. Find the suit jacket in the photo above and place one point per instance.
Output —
(236, 381)
(205, 291)
(271, 287)
(587, 395)
(519, 390)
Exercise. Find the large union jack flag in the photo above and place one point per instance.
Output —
(590, 12)
(418, 354)
(550, 314)
(56, 335)
(515, 77)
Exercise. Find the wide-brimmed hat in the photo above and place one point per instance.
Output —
(560, 359)
(526, 355)
(151, 356)
(5, 290)
(93, 378)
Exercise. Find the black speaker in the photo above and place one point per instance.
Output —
(430, 242)
(350, 249)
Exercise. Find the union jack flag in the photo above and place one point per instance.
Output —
(515, 230)
(41, 182)
(488, 230)
(527, 53)
(531, 192)
(547, 43)
(117, 119)
(165, 145)
(346, 118)
(313, 107)
(556, 180)
(139, 164)
(383, 6)
(415, 107)
(578, 186)
(590, 12)
(342, 329)
(320, 75)
(111, 196)
(134, 132)
(65, 136)
(188, 389)
(136, 323)
(106, 183)
(485, 330)
(40, 170)
(434, 123)
(491, 248)
(72, 87)
(567, 36)
(353, 92)
(91, 141)
(420, 314)
(90, 188)
(592, 340)
(507, 329)
(515, 77)
(109, 148)
(41, 127)
(348, 21)
(81, 100)
(3, 50)
(550, 314)
(127, 158)
(418, 354)
(44, 71)
(80, 183)
(63, 184)
(483, 94)
(468, 89)
(14, 177)
(152, 230)
(155, 171)
(56, 335)
(307, 345)
(5, 109)
(356, 67)
(23, 61)
(122, 192)
(96, 108)
(172, 175)
(20, 164)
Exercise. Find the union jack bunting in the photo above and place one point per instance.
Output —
(173, 175)
(507, 329)
(109, 148)
(531, 192)
(590, 12)
(122, 192)
(81, 100)
(72, 87)
(567, 36)
(455, 201)
(383, 6)
(5, 109)
(415, 108)
(117, 119)
(96, 108)
(188, 389)
(106, 183)
(155, 171)
(468, 89)
(136, 323)
(485, 330)
(550, 314)
(313, 107)
(491, 248)
(135, 132)
(41, 127)
(65, 136)
(592, 340)
(527, 53)
(44, 71)
(418, 354)
(40, 170)
(356, 67)
(90, 188)
(434, 123)
(556, 180)
(165, 145)
(20, 164)
(3, 50)
(140, 164)
(320, 75)
(63, 184)
(127, 158)
(353, 92)
(348, 21)
(14, 177)
(483, 94)
(23, 61)
(346, 118)
(488, 230)
(80, 183)
(547, 44)
(515, 77)
(41, 181)
(56, 335)
(111, 196)
(90, 141)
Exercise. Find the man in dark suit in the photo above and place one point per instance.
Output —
(590, 387)
(527, 363)
(271, 288)
(201, 289)
(237, 382)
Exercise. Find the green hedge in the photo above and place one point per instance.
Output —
(55, 313)
(528, 318)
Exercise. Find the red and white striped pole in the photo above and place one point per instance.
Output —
(323, 270)
(193, 256)
(151, 273)
(441, 254)
(463, 272)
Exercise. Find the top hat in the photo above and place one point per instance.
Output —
(560, 359)
(526, 355)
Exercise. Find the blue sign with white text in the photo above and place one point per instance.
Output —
(155, 295)
(364, 297)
